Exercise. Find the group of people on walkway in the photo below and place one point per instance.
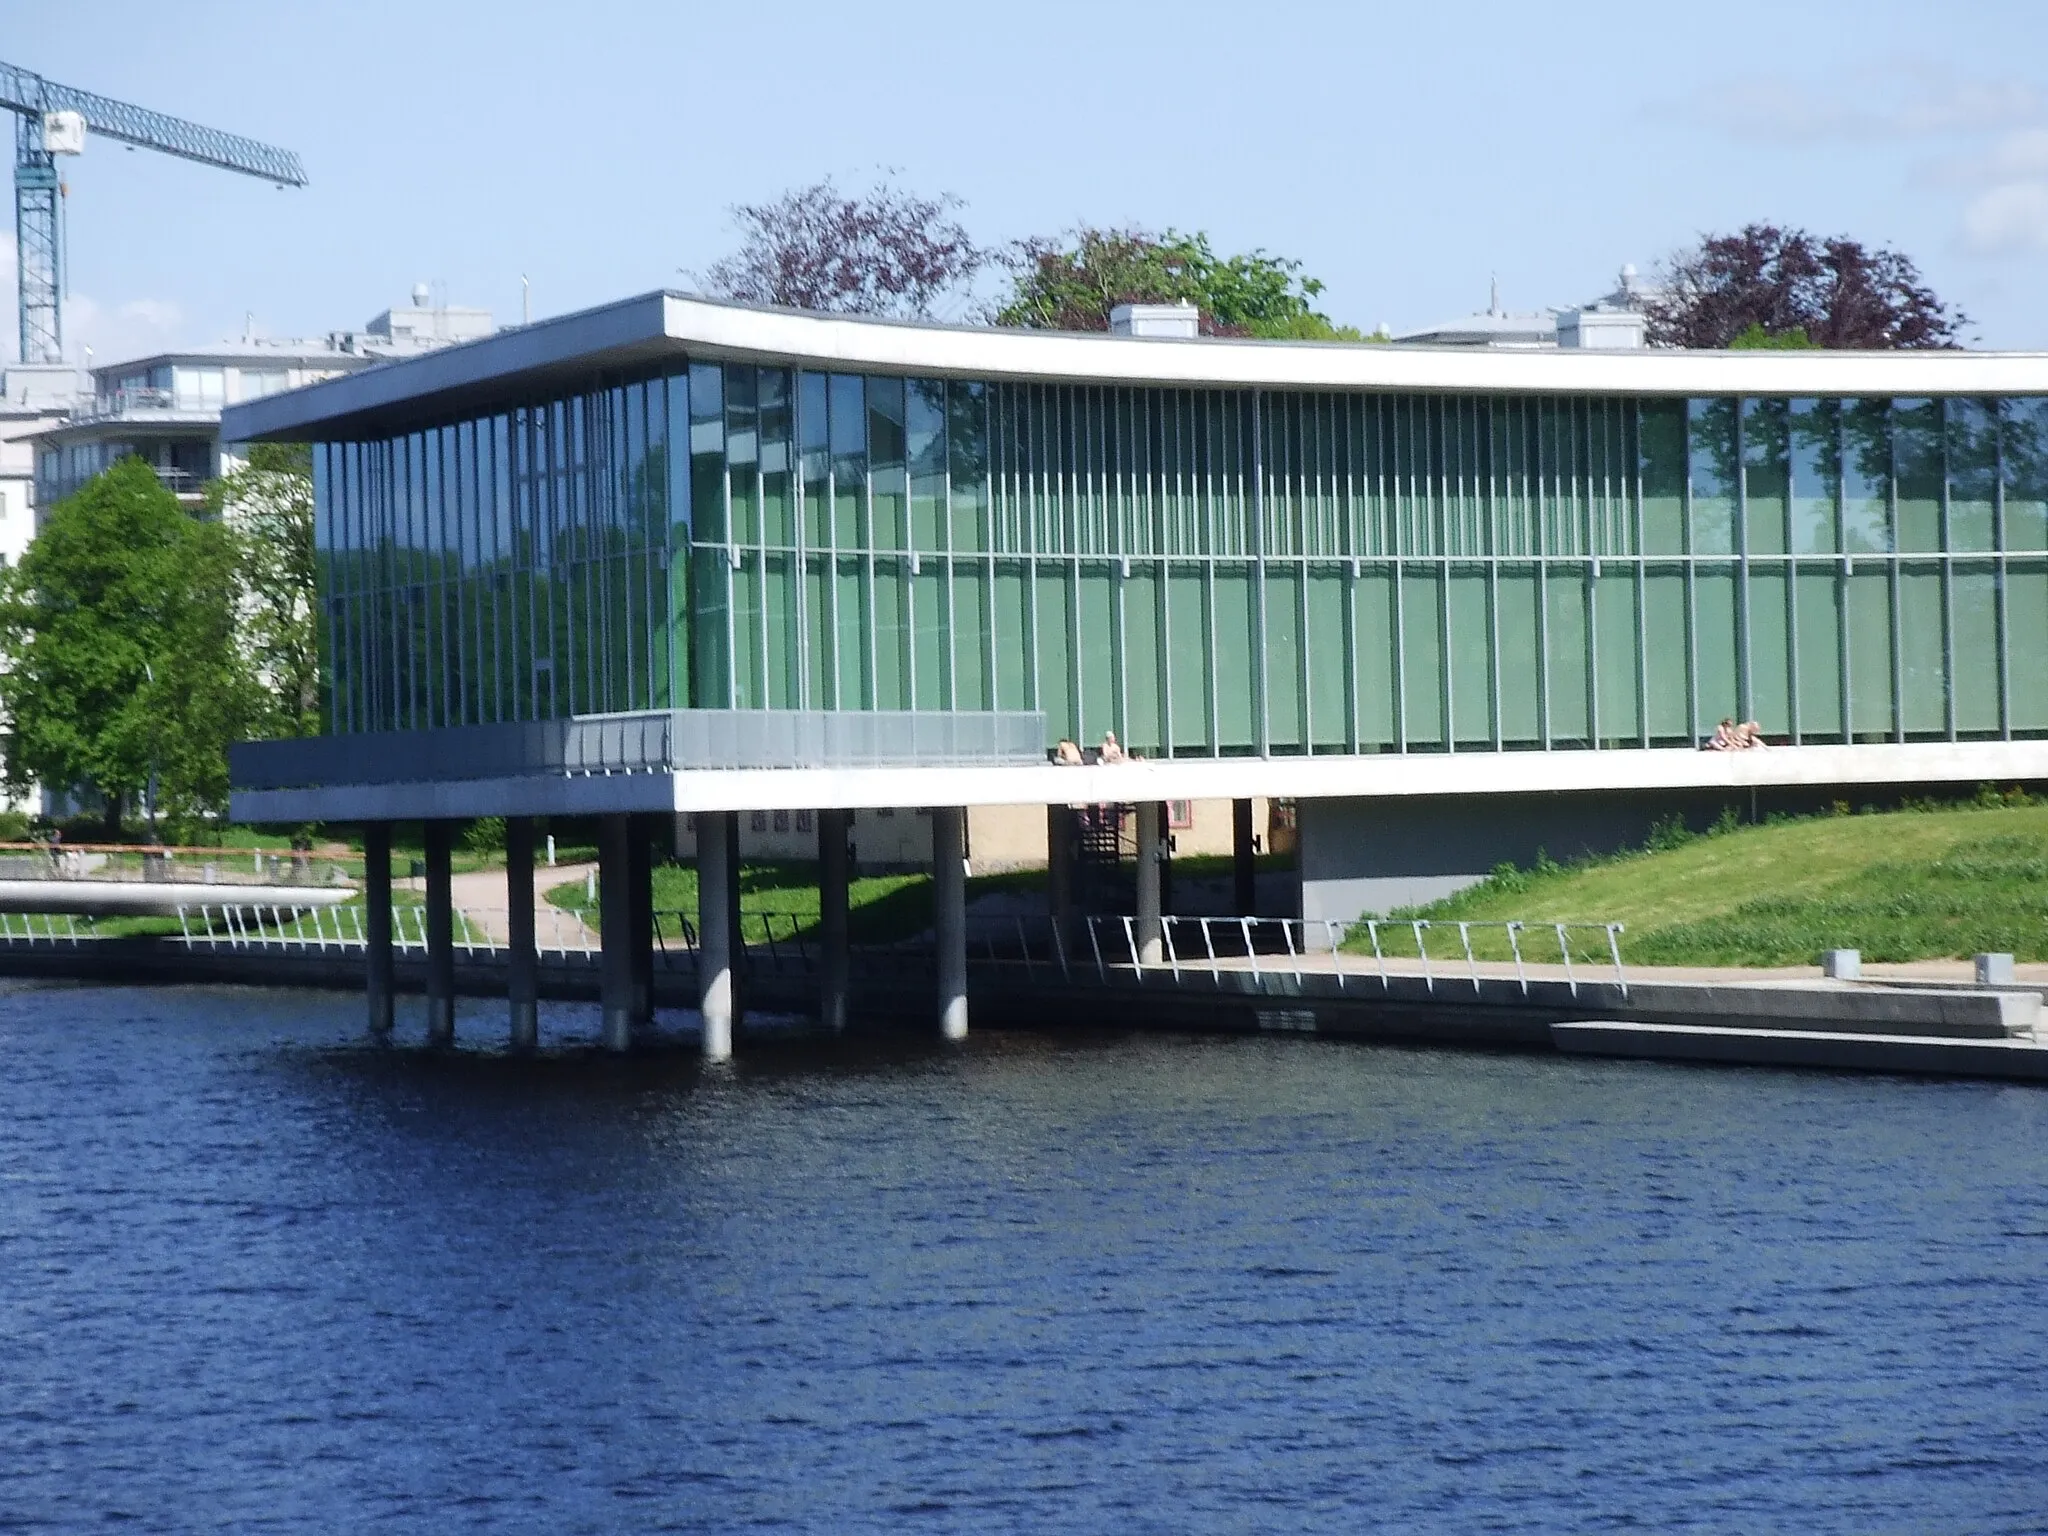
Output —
(1068, 754)
(1730, 737)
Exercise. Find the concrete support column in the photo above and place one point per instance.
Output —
(735, 926)
(715, 836)
(522, 962)
(1060, 837)
(640, 897)
(949, 917)
(1151, 948)
(440, 840)
(615, 930)
(377, 924)
(1244, 863)
(834, 876)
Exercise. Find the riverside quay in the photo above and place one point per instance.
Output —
(679, 558)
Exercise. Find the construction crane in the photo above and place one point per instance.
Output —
(52, 120)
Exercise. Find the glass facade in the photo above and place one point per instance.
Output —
(1205, 572)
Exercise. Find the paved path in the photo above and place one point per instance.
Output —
(481, 896)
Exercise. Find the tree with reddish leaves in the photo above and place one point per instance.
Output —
(1768, 284)
(880, 252)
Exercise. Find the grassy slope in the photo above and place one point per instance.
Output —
(1903, 885)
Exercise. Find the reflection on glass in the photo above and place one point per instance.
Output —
(925, 442)
(1917, 471)
(1711, 435)
(1766, 476)
(1816, 463)
(887, 485)
(2025, 458)
(1661, 444)
(1866, 477)
(1972, 474)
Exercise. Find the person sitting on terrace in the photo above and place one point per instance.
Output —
(1067, 755)
(1750, 734)
(1111, 752)
(1726, 738)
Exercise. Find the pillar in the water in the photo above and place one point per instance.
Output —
(715, 829)
(615, 930)
(522, 960)
(640, 897)
(1151, 851)
(377, 923)
(1244, 863)
(834, 879)
(440, 847)
(949, 917)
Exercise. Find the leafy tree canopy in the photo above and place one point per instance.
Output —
(1072, 284)
(119, 625)
(884, 251)
(1766, 284)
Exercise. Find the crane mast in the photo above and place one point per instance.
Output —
(47, 117)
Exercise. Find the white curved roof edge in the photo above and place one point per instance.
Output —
(654, 325)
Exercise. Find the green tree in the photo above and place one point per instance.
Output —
(1072, 284)
(267, 509)
(119, 630)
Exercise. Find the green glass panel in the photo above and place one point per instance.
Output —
(1711, 467)
(818, 624)
(925, 439)
(1766, 475)
(1719, 665)
(968, 459)
(2025, 458)
(974, 687)
(778, 459)
(1972, 475)
(1917, 459)
(710, 647)
(1422, 676)
(1923, 678)
(1975, 674)
(849, 438)
(893, 635)
(1667, 657)
(1770, 650)
(1188, 656)
(1870, 654)
(1055, 619)
(1814, 442)
(1013, 640)
(2026, 598)
(855, 625)
(1236, 644)
(1521, 655)
(1615, 635)
(1661, 443)
(1373, 653)
(1820, 655)
(1472, 688)
(743, 452)
(1285, 729)
(1144, 666)
(888, 482)
(1866, 476)
(1100, 662)
(814, 443)
(1566, 656)
(933, 652)
(749, 652)
(784, 635)
(1329, 677)
(707, 453)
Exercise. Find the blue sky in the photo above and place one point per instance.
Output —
(1405, 153)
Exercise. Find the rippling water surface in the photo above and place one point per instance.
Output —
(257, 1275)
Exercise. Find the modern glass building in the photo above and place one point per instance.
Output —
(1216, 571)
(674, 556)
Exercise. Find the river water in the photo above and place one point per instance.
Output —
(257, 1275)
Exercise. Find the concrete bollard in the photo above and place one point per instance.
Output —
(1994, 970)
(1842, 964)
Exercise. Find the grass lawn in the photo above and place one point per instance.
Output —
(1900, 885)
